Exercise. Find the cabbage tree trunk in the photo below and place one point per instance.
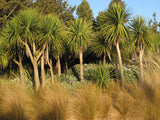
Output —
(51, 70)
(109, 56)
(42, 71)
(34, 58)
(116, 69)
(21, 71)
(59, 66)
(36, 74)
(141, 51)
(81, 64)
(120, 64)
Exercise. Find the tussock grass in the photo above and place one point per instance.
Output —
(52, 103)
(89, 103)
(15, 104)
(134, 101)
(147, 97)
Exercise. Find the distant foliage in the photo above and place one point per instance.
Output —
(131, 73)
(59, 8)
(84, 11)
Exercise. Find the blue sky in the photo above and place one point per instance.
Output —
(146, 8)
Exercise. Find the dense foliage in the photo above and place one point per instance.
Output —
(56, 67)
(43, 38)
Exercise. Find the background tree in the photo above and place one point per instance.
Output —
(101, 44)
(155, 23)
(15, 47)
(28, 21)
(59, 8)
(52, 30)
(155, 37)
(8, 8)
(114, 29)
(100, 47)
(57, 51)
(141, 39)
(79, 35)
(84, 11)
(122, 3)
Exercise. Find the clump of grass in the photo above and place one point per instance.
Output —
(15, 104)
(52, 103)
(89, 103)
(123, 102)
(105, 104)
(147, 97)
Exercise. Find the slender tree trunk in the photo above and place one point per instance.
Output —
(109, 56)
(141, 63)
(81, 64)
(42, 71)
(35, 66)
(120, 64)
(34, 60)
(34, 48)
(46, 55)
(36, 74)
(66, 64)
(59, 66)
(104, 59)
(51, 70)
(116, 69)
(10, 13)
(21, 72)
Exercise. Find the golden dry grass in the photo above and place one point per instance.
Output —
(15, 103)
(136, 101)
(52, 103)
(89, 103)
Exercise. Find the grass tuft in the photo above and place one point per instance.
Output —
(52, 103)
(15, 104)
(89, 103)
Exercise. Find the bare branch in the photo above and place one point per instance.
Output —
(40, 53)
(29, 51)
(14, 60)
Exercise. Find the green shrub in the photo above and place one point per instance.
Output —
(131, 73)
(98, 74)
(101, 75)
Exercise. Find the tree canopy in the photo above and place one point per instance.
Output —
(84, 11)
(59, 8)
(10, 7)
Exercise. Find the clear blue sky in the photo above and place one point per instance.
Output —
(146, 8)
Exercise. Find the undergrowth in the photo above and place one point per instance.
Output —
(87, 101)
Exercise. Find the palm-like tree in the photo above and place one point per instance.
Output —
(100, 47)
(56, 51)
(114, 29)
(15, 47)
(28, 23)
(140, 31)
(52, 31)
(79, 34)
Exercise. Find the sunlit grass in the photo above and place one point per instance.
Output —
(52, 103)
(89, 103)
(137, 100)
(15, 103)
